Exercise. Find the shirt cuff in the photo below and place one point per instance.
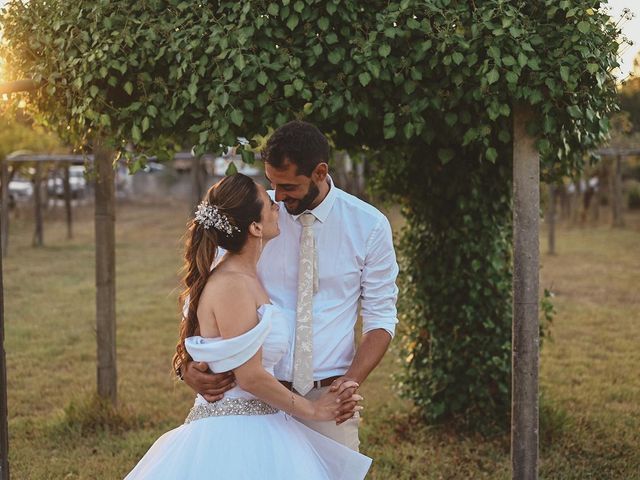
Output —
(387, 324)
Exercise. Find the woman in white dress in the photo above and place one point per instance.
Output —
(231, 324)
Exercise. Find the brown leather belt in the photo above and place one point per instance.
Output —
(325, 382)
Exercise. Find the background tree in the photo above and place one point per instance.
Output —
(426, 89)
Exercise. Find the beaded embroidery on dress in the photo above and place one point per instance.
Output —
(241, 437)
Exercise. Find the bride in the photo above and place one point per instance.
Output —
(231, 324)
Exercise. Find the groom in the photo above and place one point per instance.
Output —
(334, 252)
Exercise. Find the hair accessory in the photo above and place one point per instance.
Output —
(209, 216)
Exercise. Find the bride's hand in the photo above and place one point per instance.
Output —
(327, 407)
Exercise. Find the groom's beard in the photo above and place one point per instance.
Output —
(305, 202)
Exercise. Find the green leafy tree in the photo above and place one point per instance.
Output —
(425, 88)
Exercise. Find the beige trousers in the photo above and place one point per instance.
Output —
(346, 433)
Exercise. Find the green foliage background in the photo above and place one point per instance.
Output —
(426, 89)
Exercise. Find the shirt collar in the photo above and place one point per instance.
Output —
(321, 212)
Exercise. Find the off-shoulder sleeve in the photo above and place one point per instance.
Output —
(226, 354)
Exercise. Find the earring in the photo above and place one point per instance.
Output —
(260, 243)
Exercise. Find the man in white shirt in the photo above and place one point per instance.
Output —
(355, 264)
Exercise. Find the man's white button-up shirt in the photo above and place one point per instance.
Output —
(356, 264)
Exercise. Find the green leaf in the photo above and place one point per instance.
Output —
(298, 6)
(574, 111)
(493, 76)
(450, 118)
(384, 50)
(492, 154)
(247, 156)
(298, 84)
(273, 9)
(445, 155)
(93, 90)
(408, 130)
(136, 134)
(152, 110)
(292, 21)
(335, 57)
(239, 62)
(289, 91)
(592, 68)
(389, 132)
(584, 27)
(128, 87)
(351, 127)
(457, 58)
(511, 77)
(522, 59)
(323, 23)
(231, 169)
(364, 78)
(145, 124)
(564, 73)
(237, 117)
(223, 99)
(262, 78)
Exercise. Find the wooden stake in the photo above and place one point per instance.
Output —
(38, 240)
(551, 219)
(617, 200)
(105, 274)
(525, 343)
(67, 201)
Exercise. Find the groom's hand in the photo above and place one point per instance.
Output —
(208, 384)
(347, 408)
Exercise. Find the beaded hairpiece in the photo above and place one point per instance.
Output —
(209, 216)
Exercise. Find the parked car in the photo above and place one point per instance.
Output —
(20, 189)
(77, 183)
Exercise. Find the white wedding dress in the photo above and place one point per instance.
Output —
(241, 437)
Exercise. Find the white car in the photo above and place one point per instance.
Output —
(77, 183)
(20, 189)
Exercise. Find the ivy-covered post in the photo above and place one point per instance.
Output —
(105, 273)
(4, 426)
(526, 204)
(4, 207)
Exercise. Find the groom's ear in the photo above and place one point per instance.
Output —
(320, 173)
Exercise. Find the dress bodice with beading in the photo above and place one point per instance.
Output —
(272, 333)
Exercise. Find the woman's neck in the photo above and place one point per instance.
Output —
(246, 260)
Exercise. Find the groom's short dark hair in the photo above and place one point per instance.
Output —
(301, 143)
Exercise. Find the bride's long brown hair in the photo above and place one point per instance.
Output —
(237, 198)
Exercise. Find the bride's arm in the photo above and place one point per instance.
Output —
(235, 313)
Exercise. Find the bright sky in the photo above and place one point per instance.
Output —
(630, 29)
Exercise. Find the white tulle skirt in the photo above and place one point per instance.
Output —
(248, 447)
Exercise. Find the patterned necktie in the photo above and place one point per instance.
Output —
(303, 351)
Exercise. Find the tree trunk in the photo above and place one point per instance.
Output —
(616, 193)
(105, 274)
(551, 219)
(67, 201)
(4, 213)
(4, 429)
(37, 199)
(526, 204)
(197, 182)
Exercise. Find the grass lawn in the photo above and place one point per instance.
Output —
(589, 370)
